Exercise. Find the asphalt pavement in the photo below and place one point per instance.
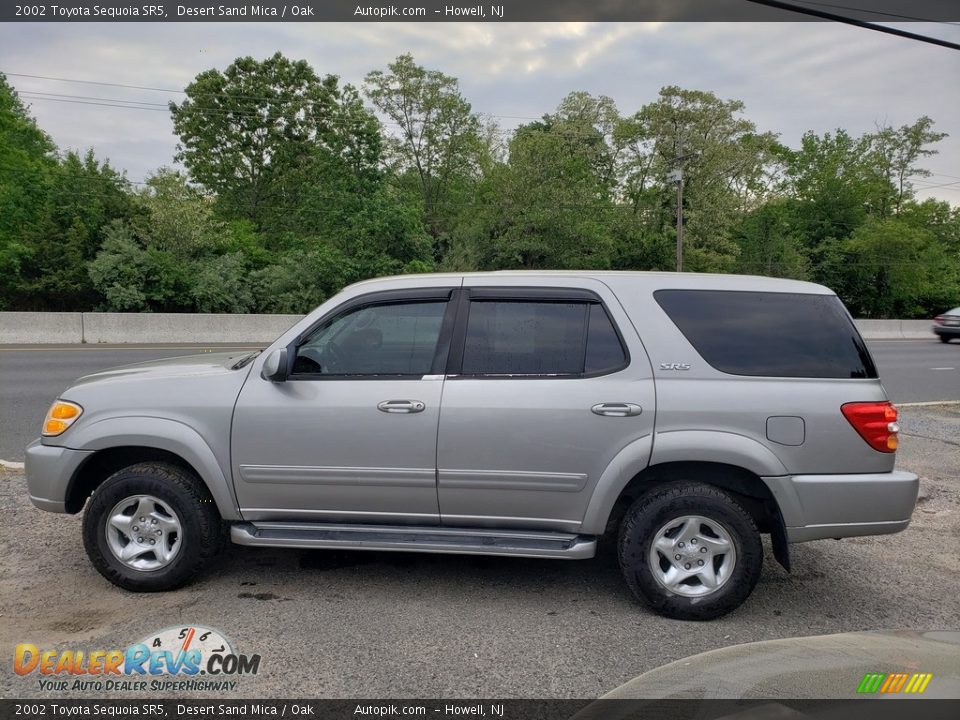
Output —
(401, 625)
(32, 376)
(918, 370)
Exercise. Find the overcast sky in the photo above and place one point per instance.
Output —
(793, 77)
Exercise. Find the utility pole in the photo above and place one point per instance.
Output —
(680, 221)
(676, 175)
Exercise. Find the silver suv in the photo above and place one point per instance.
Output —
(529, 414)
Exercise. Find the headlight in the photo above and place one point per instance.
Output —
(60, 416)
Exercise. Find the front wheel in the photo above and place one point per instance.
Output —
(151, 527)
(690, 551)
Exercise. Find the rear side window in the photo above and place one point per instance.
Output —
(770, 334)
(604, 349)
(546, 338)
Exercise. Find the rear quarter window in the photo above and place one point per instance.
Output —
(770, 334)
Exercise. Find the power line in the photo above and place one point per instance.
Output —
(10, 172)
(43, 95)
(203, 94)
(611, 206)
(161, 107)
(93, 82)
(922, 186)
(98, 104)
(858, 23)
(875, 12)
(918, 184)
(147, 105)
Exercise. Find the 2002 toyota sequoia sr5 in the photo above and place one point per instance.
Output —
(518, 413)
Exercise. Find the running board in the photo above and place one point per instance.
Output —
(461, 541)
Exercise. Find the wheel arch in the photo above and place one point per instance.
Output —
(121, 442)
(747, 487)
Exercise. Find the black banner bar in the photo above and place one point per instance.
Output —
(884, 708)
(466, 10)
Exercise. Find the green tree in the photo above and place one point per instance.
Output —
(302, 279)
(439, 142)
(892, 268)
(895, 154)
(725, 173)
(83, 196)
(832, 185)
(177, 256)
(365, 219)
(249, 134)
(769, 243)
(552, 203)
(179, 218)
(27, 161)
(134, 278)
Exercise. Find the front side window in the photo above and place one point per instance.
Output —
(397, 338)
(540, 338)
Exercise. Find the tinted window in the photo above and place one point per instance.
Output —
(604, 350)
(515, 337)
(389, 339)
(770, 334)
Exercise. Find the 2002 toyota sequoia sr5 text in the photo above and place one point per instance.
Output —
(518, 413)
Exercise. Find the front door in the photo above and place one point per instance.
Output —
(546, 385)
(351, 435)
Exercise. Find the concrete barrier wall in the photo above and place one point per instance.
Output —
(895, 329)
(68, 328)
(41, 327)
(183, 328)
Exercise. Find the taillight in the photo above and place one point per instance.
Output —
(939, 319)
(875, 421)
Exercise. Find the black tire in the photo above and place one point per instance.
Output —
(944, 338)
(652, 511)
(202, 528)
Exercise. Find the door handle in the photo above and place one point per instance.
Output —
(401, 406)
(617, 409)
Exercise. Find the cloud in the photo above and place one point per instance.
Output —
(793, 77)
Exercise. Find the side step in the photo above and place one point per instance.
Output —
(462, 541)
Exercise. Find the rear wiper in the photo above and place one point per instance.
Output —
(245, 360)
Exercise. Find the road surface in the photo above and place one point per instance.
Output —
(32, 376)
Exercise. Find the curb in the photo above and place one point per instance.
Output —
(932, 403)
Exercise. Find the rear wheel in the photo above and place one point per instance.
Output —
(690, 551)
(151, 527)
(944, 338)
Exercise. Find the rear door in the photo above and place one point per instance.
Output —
(545, 386)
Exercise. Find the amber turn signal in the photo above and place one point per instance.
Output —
(60, 416)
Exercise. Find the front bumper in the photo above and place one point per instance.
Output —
(837, 506)
(49, 470)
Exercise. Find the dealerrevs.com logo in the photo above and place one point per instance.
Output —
(174, 659)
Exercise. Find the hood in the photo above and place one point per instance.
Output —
(818, 667)
(175, 367)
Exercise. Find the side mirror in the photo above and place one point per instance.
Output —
(275, 366)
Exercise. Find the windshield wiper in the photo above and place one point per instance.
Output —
(245, 360)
